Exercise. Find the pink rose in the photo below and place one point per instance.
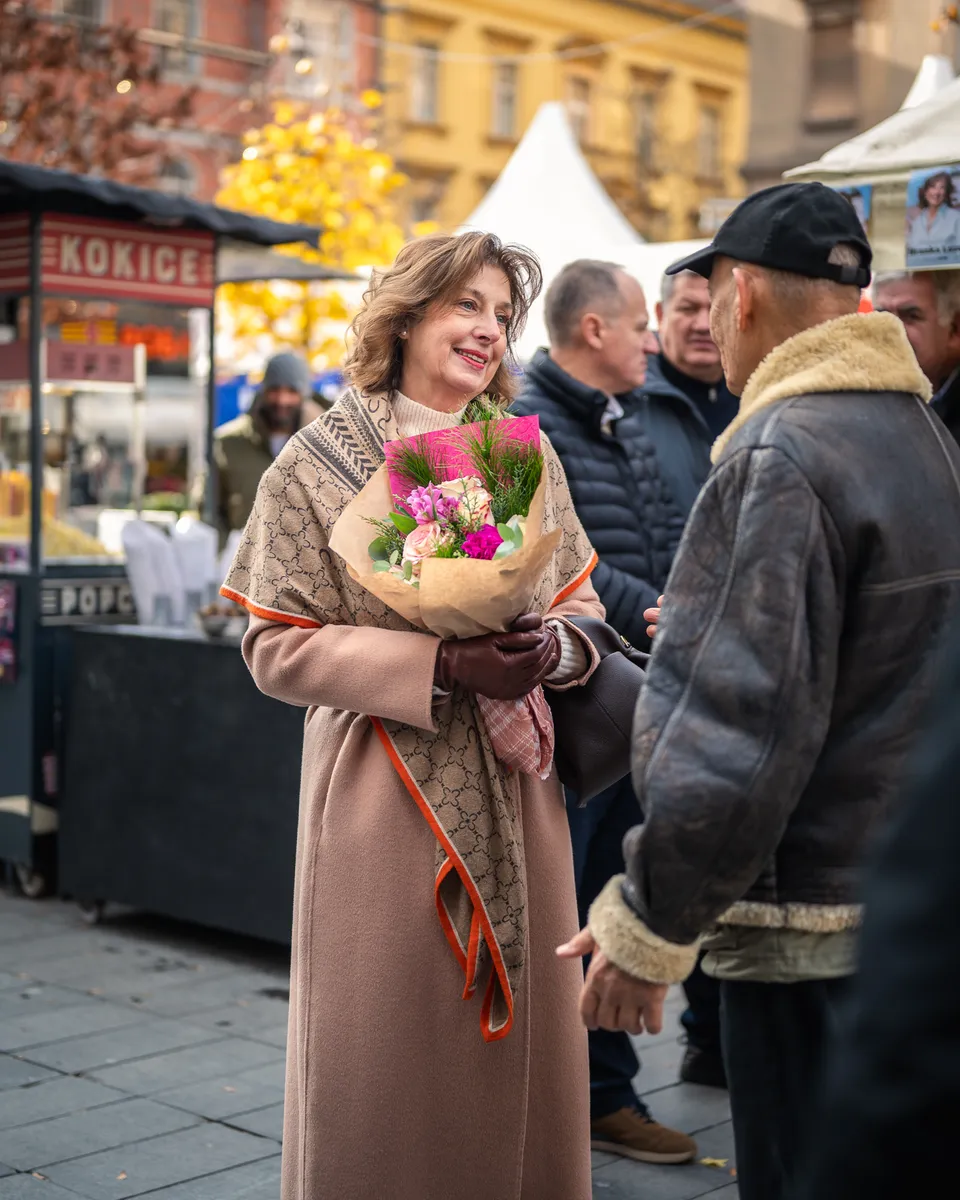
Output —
(475, 501)
(423, 543)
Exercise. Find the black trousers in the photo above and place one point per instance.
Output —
(597, 832)
(775, 1036)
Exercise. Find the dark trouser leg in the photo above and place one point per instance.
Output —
(774, 1039)
(597, 832)
(702, 1017)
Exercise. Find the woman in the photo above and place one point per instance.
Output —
(434, 1047)
(937, 226)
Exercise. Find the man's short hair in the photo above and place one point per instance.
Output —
(946, 288)
(668, 285)
(582, 286)
(801, 290)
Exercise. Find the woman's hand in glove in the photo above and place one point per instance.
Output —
(503, 666)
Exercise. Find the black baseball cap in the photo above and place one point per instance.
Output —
(790, 227)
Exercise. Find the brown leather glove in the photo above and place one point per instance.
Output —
(503, 666)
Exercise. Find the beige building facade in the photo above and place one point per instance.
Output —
(822, 71)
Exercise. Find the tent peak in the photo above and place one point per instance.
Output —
(936, 72)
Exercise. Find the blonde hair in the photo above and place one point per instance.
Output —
(426, 272)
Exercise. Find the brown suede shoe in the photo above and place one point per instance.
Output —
(636, 1135)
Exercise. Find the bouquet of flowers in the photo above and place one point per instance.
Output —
(459, 549)
(458, 544)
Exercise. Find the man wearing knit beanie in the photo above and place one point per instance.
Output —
(246, 446)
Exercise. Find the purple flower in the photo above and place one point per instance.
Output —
(428, 503)
(483, 543)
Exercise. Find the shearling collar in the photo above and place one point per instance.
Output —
(864, 352)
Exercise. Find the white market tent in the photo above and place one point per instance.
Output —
(922, 133)
(548, 199)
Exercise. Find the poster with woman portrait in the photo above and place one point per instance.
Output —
(933, 218)
(861, 200)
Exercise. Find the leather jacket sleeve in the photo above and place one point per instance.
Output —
(738, 696)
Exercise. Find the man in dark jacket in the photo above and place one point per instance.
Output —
(789, 671)
(584, 390)
(893, 1078)
(928, 304)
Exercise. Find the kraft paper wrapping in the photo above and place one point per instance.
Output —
(457, 597)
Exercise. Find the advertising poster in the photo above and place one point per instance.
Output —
(861, 198)
(933, 218)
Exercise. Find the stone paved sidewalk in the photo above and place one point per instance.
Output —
(146, 1058)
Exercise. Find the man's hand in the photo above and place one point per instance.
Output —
(652, 615)
(612, 999)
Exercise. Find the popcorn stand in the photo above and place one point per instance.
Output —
(92, 704)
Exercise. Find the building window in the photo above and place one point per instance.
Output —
(578, 107)
(179, 17)
(84, 10)
(176, 178)
(506, 78)
(423, 209)
(832, 70)
(710, 143)
(645, 129)
(425, 83)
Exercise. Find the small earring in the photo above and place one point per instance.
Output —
(403, 333)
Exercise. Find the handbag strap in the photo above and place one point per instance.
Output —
(606, 640)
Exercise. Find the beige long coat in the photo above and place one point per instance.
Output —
(392, 1094)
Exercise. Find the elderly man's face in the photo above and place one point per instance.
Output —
(914, 301)
(724, 321)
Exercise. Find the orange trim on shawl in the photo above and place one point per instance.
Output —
(480, 918)
(269, 614)
(581, 578)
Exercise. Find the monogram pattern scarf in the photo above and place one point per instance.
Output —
(285, 571)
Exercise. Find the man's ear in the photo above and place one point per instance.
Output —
(659, 312)
(954, 339)
(746, 297)
(591, 330)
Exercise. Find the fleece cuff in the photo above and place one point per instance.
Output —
(631, 946)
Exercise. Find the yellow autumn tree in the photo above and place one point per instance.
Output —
(321, 169)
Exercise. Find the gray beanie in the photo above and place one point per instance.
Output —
(288, 370)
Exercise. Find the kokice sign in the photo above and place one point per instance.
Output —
(86, 257)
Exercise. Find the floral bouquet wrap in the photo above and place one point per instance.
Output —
(449, 533)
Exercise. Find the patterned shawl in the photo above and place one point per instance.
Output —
(285, 571)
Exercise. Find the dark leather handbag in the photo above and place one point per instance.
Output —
(593, 723)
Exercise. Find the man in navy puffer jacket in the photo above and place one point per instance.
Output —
(635, 464)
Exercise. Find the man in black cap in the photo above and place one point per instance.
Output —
(789, 668)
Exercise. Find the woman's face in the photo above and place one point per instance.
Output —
(936, 191)
(454, 352)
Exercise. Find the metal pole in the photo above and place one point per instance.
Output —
(210, 491)
(36, 396)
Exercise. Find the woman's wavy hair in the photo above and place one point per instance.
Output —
(427, 271)
(949, 194)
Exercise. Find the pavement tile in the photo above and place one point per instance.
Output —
(265, 1122)
(277, 1036)
(35, 1028)
(160, 1162)
(179, 1068)
(226, 1096)
(32, 996)
(245, 1018)
(730, 1192)
(66, 1138)
(52, 1098)
(147, 1037)
(17, 1074)
(689, 1107)
(717, 1143)
(5, 1170)
(204, 995)
(26, 1187)
(628, 1180)
(659, 1067)
(256, 1181)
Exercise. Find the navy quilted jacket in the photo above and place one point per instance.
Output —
(618, 489)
